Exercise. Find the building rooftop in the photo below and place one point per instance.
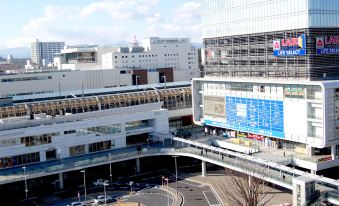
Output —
(95, 92)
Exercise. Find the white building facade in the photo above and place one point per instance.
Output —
(271, 75)
(154, 53)
(61, 136)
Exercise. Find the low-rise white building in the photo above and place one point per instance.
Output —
(48, 128)
(154, 53)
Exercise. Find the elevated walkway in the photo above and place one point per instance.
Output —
(270, 171)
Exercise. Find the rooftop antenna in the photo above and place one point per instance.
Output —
(135, 42)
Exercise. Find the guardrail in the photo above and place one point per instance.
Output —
(267, 170)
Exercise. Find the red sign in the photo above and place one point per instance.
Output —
(289, 42)
(255, 137)
(320, 43)
(331, 40)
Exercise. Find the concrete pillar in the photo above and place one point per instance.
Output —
(310, 151)
(303, 190)
(334, 152)
(203, 169)
(137, 165)
(314, 172)
(61, 181)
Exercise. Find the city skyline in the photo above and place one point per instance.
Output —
(97, 22)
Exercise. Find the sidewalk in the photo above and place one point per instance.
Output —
(218, 181)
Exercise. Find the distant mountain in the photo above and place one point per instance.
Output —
(198, 45)
(20, 52)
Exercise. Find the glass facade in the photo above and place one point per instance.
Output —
(99, 130)
(252, 55)
(239, 36)
(236, 17)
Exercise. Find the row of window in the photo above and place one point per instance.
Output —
(94, 147)
(99, 130)
(27, 93)
(29, 140)
(19, 160)
(26, 78)
(150, 55)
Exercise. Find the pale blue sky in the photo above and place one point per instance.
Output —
(96, 21)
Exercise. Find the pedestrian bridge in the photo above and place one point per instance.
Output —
(275, 173)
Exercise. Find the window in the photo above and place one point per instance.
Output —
(77, 150)
(70, 132)
(38, 139)
(100, 146)
(26, 79)
(19, 160)
(103, 130)
(262, 88)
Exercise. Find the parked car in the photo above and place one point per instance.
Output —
(100, 182)
(76, 204)
(101, 199)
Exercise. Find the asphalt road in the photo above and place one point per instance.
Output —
(196, 194)
(150, 197)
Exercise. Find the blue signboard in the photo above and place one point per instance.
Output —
(258, 116)
(290, 46)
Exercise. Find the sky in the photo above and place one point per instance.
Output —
(101, 22)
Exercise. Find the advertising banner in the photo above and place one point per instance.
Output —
(327, 45)
(256, 116)
(290, 47)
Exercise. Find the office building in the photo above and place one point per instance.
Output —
(42, 53)
(170, 56)
(271, 74)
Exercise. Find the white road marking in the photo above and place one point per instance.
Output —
(203, 192)
(190, 184)
(209, 201)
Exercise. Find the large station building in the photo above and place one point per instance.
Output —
(271, 74)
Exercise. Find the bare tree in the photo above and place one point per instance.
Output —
(242, 189)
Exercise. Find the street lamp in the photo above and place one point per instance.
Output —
(60, 87)
(176, 175)
(105, 184)
(25, 176)
(137, 81)
(166, 179)
(147, 143)
(58, 153)
(131, 184)
(162, 180)
(164, 77)
(110, 167)
(84, 171)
